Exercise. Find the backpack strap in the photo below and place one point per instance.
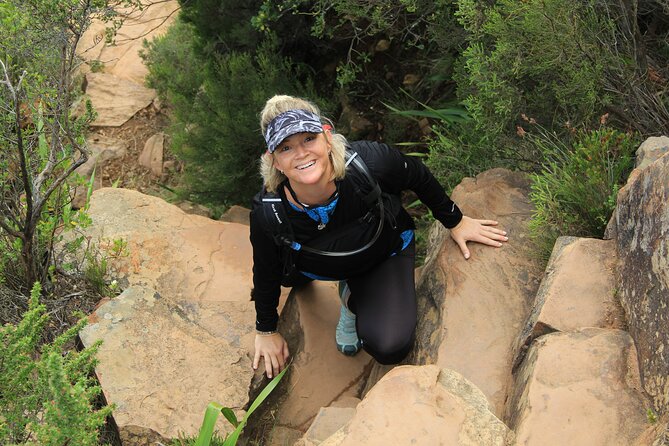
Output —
(370, 198)
(275, 216)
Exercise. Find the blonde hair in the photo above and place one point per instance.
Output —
(272, 177)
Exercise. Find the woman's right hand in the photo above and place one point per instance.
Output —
(274, 351)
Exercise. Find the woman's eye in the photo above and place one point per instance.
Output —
(284, 149)
(309, 138)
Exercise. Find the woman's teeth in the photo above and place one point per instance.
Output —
(304, 166)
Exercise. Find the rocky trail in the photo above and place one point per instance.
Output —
(508, 351)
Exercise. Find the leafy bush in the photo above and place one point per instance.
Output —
(47, 392)
(215, 128)
(551, 59)
(575, 193)
(459, 152)
(42, 143)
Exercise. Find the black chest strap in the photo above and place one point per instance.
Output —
(282, 231)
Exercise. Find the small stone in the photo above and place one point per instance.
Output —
(382, 45)
(410, 80)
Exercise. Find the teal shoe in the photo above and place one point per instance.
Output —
(346, 335)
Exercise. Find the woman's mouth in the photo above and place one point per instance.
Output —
(306, 165)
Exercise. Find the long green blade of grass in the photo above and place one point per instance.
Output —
(257, 402)
(215, 409)
(208, 424)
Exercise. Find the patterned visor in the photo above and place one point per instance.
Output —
(288, 123)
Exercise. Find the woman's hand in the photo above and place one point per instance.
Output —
(480, 231)
(274, 351)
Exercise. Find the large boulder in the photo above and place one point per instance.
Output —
(578, 290)
(579, 389)
(121, 58)
(423, 405)
(192, 334)
(115, 100)
(160, 369)
(471, 311)
(651, 150)
(642, 221)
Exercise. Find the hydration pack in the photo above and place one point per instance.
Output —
(381, 207)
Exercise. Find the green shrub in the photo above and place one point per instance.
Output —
(458, 152)
(47, 392)
(215, 106)
(575, 193)
(546, 58)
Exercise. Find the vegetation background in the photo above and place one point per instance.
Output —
(560, 89)
(564, 90)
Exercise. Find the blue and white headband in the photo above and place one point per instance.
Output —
(288, 123)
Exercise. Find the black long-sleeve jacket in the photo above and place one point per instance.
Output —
(394, 172)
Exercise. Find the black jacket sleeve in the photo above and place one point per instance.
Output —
(267, 270)
(396, 172)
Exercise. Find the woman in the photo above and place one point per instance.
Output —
(318, 218)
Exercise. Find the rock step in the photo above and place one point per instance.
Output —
(422, 405)
(320, 375)
(579, 388)
(160, 369)
(471, 311)
(578, 290)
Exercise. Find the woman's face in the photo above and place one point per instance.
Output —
(304, 159)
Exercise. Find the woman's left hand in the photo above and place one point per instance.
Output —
(480, 231)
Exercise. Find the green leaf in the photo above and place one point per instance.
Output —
(208, 424)
(230, 416)
(89, 189)
(232, 439)
(214, 409)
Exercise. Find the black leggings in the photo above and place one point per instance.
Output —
(384, 301)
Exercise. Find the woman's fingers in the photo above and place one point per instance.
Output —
(275, 368)
(462, 243)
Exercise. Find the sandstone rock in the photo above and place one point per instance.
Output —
(132, 435)
(327, 422)
(194, 208)
(423, 405)
(657, 434)
(103, 149)
(187, 258)
(578, 289)
(651, 150)
(284, 436)
(471, 311)
(236, 214)
(159, 368)
(642, 220)
(201, 269)
(152, 155)
(320, 373)
(122, 57)
(116, 100)
(579, 388)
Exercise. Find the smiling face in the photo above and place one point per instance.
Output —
(304, 159)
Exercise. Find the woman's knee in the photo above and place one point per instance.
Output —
(389, 349)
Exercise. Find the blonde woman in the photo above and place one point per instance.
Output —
(330, 210)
